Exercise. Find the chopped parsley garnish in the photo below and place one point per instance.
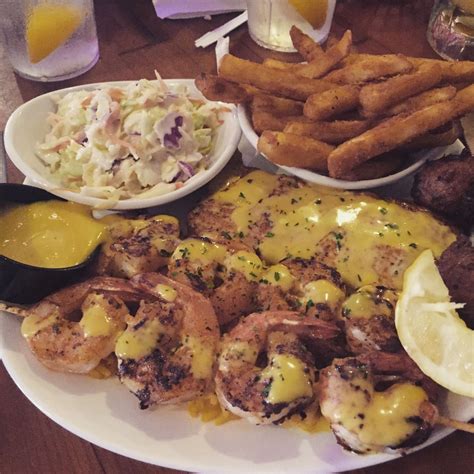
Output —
(226, 235)
(346, 312)
(391, 226)
(383, 210)
(184, 252)
(413, 245)
(338, 236)
(242, 195)
(309, 304)
(269, 234)
(277, 276)
(266, 390)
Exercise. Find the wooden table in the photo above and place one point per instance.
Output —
(133, 42)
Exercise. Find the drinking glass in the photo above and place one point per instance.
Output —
(270, 21)
(451, 29)
(49, 40)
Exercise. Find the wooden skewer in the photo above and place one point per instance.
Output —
(18, 310)
(457, 425)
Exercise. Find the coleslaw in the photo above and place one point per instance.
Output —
(141, 140)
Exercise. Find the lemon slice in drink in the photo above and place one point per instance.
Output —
(431, 331)
(313, 11)
(48, 27)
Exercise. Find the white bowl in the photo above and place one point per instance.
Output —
(27, 127)
(417, 160)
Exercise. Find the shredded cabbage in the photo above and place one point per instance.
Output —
(141, 140)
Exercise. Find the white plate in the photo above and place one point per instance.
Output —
(418, 159)
(27, 127)
(106, 414)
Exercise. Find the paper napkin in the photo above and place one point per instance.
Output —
(175, 9)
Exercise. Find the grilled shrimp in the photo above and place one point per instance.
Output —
(227, 276)
(368, 417)
(369, 320)
(167, 353)
(73, 329)
(138, 245)
(306, 286)
(265, 371)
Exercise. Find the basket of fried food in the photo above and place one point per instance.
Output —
(346, 116)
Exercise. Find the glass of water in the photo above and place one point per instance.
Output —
(270, 21)
(451, 29)
(49, 40)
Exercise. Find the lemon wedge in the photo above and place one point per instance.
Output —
(48, 27)
(313, 11)
(431, 331)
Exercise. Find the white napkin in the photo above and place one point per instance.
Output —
(175, 9)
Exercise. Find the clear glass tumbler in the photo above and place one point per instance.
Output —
(270, 21)
(49, 40)
(451, 29)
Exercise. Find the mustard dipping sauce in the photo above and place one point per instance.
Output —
(49, 234)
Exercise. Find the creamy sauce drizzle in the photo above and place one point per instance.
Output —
(360, 235)
(95, 320)
(365, 304)
(385, 419)
(202, 357)
(323, 291)
(289, 379)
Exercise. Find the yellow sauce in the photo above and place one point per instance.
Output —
(31, 325)
(323, 291)
(364, 304)
(200, 250)
(359, 229)
(166, 292)
(96, 320)
(290, 379)
(208, 409)
(202, 357)
(119, 226)
(50, 234)
(247, 263)
(236, 353)
(279, 275)
(385, 419)
(138, 343)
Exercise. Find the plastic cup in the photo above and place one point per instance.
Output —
(49, 40)
(270, 21)
(451, 29)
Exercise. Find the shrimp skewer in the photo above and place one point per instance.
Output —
(73, 329)
(286, 382)
(366, 419)
(167, 353)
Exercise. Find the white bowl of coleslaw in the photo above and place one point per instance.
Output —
(122, 145)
